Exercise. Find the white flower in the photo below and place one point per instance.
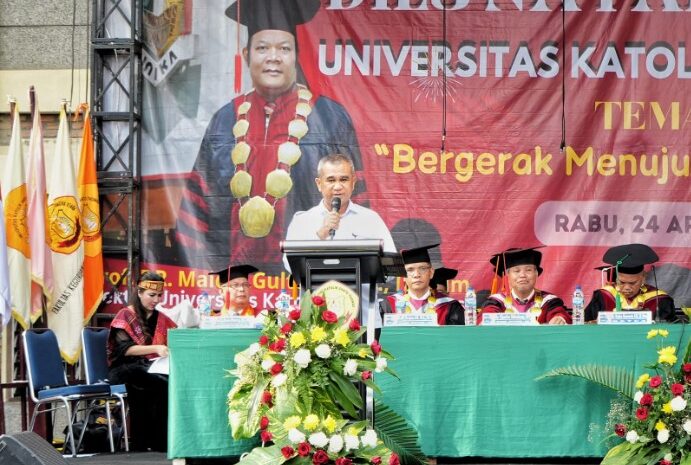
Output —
(351, 442)
(369, 439)
(267, 363)
(678, 404)
(637, 397)
(302, 357)
(318, 439)
(279, 380)
(632, 437)
(663, 436)
(296, 436)
(687, 426)
(381, 364)
(335, 444)
(350, 367)
(323, 351)
(668, 457)
(253, 348)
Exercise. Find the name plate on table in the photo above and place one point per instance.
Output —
(410, 319)
(507, 319)
(636, 317)
(231, 322)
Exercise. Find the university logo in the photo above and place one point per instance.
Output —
(17, 232)
(64, 227)
(167, 38)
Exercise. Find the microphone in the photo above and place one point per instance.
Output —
(335, 207)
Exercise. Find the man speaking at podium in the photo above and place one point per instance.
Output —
(336, 216)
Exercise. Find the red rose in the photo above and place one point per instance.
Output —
(687, 378)
(647, 399)
(376, 347)
(266, 436)
(393, 460)
(264, 422)
(354, 325)
(263, 340)
(276, 369)
(366, 375)
(277, 346)
(655, 381)
(294, 315)
(376, 460)
(266, 397)
(642, 413)
(677, 389)
(320, 457)
(286, 328)
(620, 430)
(686, 367)
(344, 461)
(329, 316)
(665, 462)
(303, 449)
(287, 451)
(318, 300)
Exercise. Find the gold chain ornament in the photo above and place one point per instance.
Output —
(257, 215)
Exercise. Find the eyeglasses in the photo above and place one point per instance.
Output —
(238, 286)
(418, 270)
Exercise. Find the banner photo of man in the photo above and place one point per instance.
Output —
(483, 125)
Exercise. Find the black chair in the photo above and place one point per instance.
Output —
(48, 382)
(95, 359)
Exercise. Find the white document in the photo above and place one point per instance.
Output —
(410, 319)
(635, 317)
(160, 365)
(507, 319)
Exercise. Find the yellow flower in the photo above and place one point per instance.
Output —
(667, 408)
(297, 339)
(292, 422)
(667, 355)
(362, 353)
(341, 337)
(664, 333)
(652, 333)
(642, 380)
(311, 422)
(330, 424)
(352, 431)
(317, 334)
(660, 425)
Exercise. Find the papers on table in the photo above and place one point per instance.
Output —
(160, 366)
(636, 317)
(231, 322)
(508, 319)
(410, 319)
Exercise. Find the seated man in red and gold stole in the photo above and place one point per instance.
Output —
(630, 292)
(235, 289)
(520, 268)
(421, 298)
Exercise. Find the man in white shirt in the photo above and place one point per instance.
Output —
(336, 179)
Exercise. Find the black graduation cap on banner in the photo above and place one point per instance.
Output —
(237, 271)
(514, 257)
(282, 15)
(418, 254)
(630, 258)
(442, 275)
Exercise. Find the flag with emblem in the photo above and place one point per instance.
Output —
(90, 221)
(5, 299)
(41, 265)
(66, 315)
(16, 229)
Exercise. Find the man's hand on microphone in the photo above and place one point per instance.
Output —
(331, 222)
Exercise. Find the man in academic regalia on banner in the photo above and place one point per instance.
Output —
(235, 289)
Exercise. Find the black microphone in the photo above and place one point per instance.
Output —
(335, 207)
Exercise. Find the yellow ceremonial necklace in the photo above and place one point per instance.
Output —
(637, 301)
(536, 308)
(427, 308)
(257, 214)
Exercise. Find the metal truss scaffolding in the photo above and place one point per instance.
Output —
(116, 98)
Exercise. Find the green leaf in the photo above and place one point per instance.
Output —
(348, 389)
(341, 400)
(617, 379)
(398, 435)
(243, 409)
(623, 454)
(263, 456)
(306, 307)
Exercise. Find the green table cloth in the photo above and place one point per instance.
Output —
(468, 391)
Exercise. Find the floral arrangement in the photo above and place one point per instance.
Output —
(295, 383)
(659, 428)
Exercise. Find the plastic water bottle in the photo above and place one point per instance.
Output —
(400, 302)
(470, 305)
(578, 304)
(283, 302)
